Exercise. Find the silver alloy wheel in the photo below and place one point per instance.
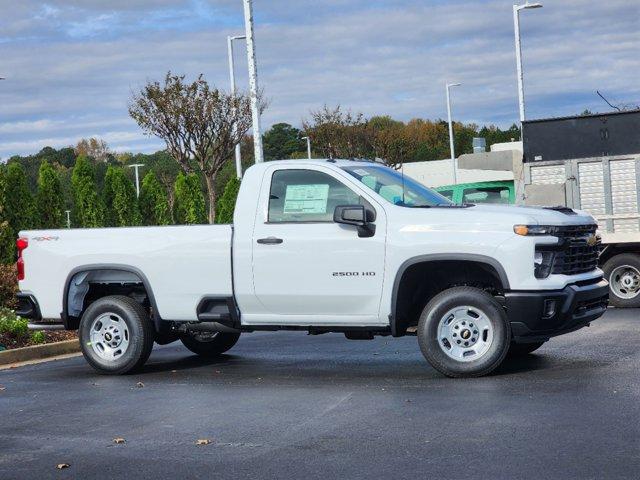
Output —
(465, 333)
(625, 282)
(109, 336)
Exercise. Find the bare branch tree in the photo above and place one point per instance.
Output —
(199, 124)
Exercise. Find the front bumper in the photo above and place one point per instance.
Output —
(540, 315)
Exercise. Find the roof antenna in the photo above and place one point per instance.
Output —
(608, 103)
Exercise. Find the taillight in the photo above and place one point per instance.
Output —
(21, 243)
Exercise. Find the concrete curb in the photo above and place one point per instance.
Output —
(36, 352)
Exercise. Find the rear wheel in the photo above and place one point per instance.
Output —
(210, 344)
(623, 273)
(116, 335)
(464, 332)
(518, 349)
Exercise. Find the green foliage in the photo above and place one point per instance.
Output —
(154, 205)
(227, 202)
(19, 205)
(190, 207)
(12, 325)
(119, 198)
(7, 241)
(8, 285)
(14, 330)
(49, 199)
(88, 209)
(282, 141)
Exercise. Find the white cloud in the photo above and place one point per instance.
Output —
(71, 65)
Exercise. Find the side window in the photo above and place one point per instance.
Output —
(446, 193)
(486, 195)
(306, 196)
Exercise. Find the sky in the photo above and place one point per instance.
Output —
(71, 66)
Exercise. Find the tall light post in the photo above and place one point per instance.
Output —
(137, 166)
(253, 81)
(232, 79)
(451, 147)
(308, 147)
(516, 28)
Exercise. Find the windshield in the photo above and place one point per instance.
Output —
(390, 185)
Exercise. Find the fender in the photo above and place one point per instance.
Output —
(436, 257)
(109, 266)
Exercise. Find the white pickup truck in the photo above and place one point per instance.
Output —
(323, 246)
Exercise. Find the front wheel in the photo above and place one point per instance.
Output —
(464, 332)
(210, 344)
(116, 335)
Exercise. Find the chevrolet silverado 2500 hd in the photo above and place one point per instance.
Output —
(323, 246)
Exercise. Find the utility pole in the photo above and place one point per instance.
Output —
(137, 166)
(253, 81)
(451, 143)
(308, 147)
(516, 29)
(232, 78)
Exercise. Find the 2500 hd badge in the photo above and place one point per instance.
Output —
(354, 274)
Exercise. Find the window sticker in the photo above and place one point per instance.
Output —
(306, 198)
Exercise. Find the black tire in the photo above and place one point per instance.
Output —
(611, 268)
(495, 316)
(519, 349)
(209, 346)
(140, 336)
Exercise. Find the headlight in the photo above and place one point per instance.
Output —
(525, 230)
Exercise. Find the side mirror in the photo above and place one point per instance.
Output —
(350, 215)
(356, 215)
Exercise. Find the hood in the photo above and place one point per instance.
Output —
(538, 215)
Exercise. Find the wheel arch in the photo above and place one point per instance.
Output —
(112, 274)
(474, 263)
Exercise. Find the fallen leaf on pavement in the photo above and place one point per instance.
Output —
(203, 441)
(60, 466)
(118, 440)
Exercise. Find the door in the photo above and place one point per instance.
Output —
(307, 269)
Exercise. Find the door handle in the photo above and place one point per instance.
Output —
(270, 241)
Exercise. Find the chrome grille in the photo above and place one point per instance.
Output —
(575, 255)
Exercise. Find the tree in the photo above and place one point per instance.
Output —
(94, 148)
(20, 209)
(119, 198)
(282, 141)
(7, 240)
(49, 199)
(190, 207)
(199, 124)
(154, 206)
(227, 203)
(88, 209)
(336, 134)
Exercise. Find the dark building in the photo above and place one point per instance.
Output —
(585, 136)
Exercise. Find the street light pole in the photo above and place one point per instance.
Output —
(516, 28)
(253, 81)
(137, 166)
(451, 147)
(232, 79)
(308, 147)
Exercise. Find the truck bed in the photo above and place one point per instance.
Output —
(183, 263)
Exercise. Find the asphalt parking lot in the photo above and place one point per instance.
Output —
(288, 405)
